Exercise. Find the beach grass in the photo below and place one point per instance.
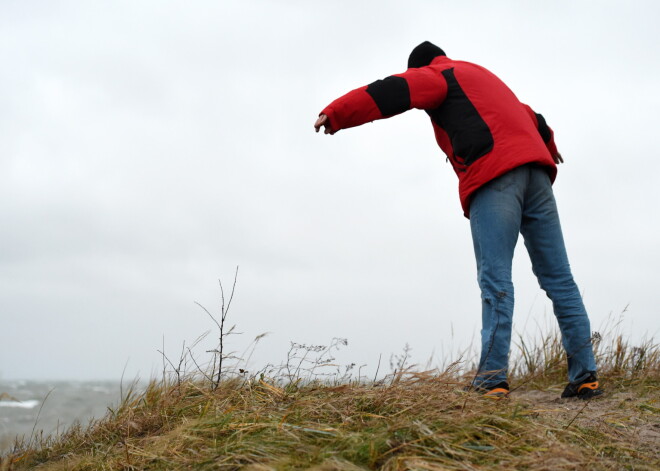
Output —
(292, 418)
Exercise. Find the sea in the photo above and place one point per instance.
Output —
(35, 409)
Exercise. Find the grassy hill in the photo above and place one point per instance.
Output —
(410, 420)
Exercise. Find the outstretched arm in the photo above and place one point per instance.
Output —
(415, 88)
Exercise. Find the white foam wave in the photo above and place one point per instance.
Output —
(29, 404)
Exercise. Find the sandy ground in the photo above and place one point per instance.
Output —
(625, 416)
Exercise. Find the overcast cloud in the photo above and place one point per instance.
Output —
(148, 148)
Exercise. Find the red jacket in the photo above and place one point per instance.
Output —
(478, 121)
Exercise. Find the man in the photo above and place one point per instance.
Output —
(505, 158)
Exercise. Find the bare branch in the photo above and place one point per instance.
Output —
(231, 296)
(210, 315)
(198, 367)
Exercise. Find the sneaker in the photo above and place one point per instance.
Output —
(586, 389)
(497, 391)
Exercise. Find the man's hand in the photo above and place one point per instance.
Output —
(558, 158)
(325, 122)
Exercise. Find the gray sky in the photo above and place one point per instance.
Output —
(147, 148)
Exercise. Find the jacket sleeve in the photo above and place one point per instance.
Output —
(420, 88)
(545, 131)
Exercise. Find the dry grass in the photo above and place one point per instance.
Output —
(408, 421)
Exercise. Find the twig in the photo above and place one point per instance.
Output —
(174, 368)
(210, 315)
(577, 415)
(198, 367)
(231, 296)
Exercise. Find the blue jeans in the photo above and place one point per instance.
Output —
(521, 201)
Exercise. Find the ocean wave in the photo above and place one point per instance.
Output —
(29, 404)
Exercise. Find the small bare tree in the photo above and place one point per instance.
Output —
(219, 352)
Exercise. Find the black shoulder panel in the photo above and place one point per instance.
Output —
(392, 95)
(544, 130)
(470, 136)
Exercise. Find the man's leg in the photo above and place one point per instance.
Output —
(545, 243)
(495, 215)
